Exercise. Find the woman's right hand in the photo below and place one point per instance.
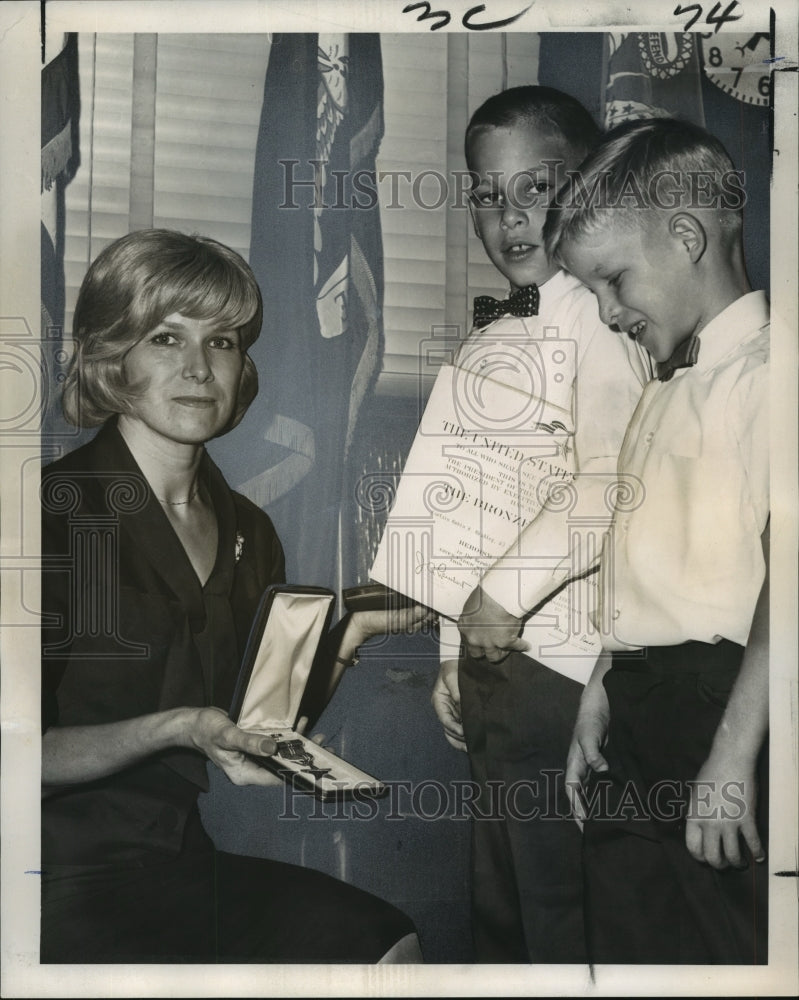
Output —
(229, 747)
(76, 754)
(365, 625)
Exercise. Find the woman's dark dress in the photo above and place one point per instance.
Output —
(128, 873)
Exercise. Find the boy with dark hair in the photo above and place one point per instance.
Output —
(512, 713)
(684, 588)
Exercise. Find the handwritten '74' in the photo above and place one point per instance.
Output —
(713, 16)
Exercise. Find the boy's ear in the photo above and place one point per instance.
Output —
(690, 232)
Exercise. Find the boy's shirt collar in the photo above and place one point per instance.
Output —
(739, 322)
(560, 282)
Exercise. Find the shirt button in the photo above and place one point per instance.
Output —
(648, 438)
(616, 615)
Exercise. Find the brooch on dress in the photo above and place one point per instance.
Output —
(239, 545)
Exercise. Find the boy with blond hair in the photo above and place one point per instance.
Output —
(668, 759)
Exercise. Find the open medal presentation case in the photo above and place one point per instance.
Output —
(281, 650)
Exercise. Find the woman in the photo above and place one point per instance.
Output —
(152, 572)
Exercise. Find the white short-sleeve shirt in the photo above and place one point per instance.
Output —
(683, 559)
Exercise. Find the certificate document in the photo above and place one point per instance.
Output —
(495, 444)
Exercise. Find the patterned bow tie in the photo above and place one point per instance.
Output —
(521, 303)
(684, 356)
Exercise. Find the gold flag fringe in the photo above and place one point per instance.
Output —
(56, 155)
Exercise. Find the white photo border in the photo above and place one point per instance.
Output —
(20, 72)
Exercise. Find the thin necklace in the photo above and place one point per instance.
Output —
(180, 503)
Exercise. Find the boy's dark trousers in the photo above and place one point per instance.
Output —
(518, 717)
(647, 900)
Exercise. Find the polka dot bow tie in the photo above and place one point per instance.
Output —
(683, 356)
(521, 303)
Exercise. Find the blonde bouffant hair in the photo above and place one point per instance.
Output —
(132, 285)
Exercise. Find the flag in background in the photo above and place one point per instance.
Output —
(316, 251)
(722, 83)
(652, 74)
(60, 115)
